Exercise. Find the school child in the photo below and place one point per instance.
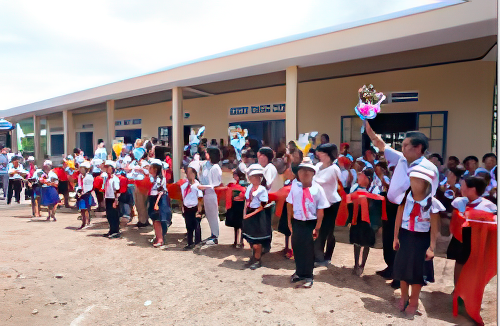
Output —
(255, 229)
(305, 204)
(234, 215)
(472, 187)
(85, 200)
(192, 205)
(415, 235)
(36, 191)
(348, 176)
(97, 166)
(31, 168)
(50, 196)
(382, 173)
(362, 233)
(111, 185)
(159, 203)
(289, 175)
(63, 186)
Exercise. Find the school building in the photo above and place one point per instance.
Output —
(437, 64)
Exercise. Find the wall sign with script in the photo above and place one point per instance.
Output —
(267, 108)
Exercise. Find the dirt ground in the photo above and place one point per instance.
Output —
(52, 274)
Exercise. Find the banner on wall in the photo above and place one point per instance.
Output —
(257, 109)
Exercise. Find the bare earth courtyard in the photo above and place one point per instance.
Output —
(51, 274)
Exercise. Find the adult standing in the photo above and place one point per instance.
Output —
(4, 174)
(414, 146)
(211, 177)
(100, 152)
(16, 176)
(327, 175)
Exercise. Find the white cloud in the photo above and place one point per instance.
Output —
(51, 48)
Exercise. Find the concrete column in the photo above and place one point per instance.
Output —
(47, 134)
(36, 133)
(110, 115)
(291, 103)
(177, 131)
(69, 132)
(13, 138)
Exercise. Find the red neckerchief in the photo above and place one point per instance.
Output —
(415, 213)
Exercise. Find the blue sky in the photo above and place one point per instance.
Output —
(51, 48)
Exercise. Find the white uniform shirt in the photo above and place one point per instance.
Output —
(190, 199)
(271, 176)
(317, 201)
(211, 175)
(122, 161)
(328, 179)
(400, 181)
(52, 177)
(460, 203)
(257, 197)
(20, 171)
(112, 184)
(160, 184)
(421, 222)
(101, 153)
(87, 183)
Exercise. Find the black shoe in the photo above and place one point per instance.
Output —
(295, 278)
(395, 284)
(106, 235)
(256, 265)
(188, 247)
(386, 273)
(114, 236)
(142, 225)
(250, 262)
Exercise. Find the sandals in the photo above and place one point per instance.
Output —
(402, 305)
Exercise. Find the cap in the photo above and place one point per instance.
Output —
(255, 169)
(31, 158)
(195, 165)
(110, 163)
(307, 164)
(96, 161)
(47, 163)
(421, 172)
(156, 161)
(85, 164)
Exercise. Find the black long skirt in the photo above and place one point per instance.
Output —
(255, 229)
(362, 234)
(303, 247)
(460, 251)
(283, 223)
(234, 215)
(410, 265)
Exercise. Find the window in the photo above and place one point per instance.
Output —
(433, 125)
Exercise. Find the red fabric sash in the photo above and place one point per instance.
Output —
(456, 224)
(414, 214)
(229, 194)
(358, 198)
(481, 266)
(280, 197)
(174, 190)
(144, 185)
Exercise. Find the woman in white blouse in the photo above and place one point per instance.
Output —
(327, 176)
(211, 177)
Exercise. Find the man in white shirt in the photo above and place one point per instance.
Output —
(414, 146)
(16, 176)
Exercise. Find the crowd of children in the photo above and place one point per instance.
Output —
(404, 193)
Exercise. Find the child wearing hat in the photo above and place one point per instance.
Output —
(192, 205)
(50, 196)
(255, 229)
(305, 204)
(159, 203)
(415, 236)
(111, 193)
(85, 200)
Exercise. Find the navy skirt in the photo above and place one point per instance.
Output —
(283, 223)
(86, 201)
(234, 215)
(50, 196)
(410, 264)
(255, 229)
(163, 214)
(460, 251)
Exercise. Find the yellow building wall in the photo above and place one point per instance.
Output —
(98, 119)
(465, 90)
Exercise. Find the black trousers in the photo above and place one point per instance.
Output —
(388, 234)
(112, 216)
(192, 225)
(326, 235)
(15, 187)
(303, 247)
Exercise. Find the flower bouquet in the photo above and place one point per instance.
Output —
(369, 104)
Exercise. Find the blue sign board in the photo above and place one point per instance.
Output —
(267, 108)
